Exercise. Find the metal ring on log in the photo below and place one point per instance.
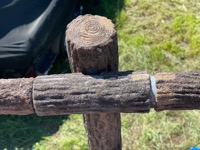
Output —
(179, 91)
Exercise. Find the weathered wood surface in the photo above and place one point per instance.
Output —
(179, 91)
(78, 93)
(16, 96)
(92, 45)
(174, 91)
(92, 48)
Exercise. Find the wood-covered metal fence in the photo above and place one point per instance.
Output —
(96, 88)
(121, 92)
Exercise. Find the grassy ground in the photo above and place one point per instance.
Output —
(153, 35)
(157, 35)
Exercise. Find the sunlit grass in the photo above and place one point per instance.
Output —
(157, 131)
(158, 35)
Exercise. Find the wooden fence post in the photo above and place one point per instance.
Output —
(92, 48)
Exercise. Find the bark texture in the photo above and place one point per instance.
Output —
(178, 91)
(78, 93)
(92, 45)
(16, 96)
(107, 92)
(92, 48)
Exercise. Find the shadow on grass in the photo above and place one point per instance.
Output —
(107, 8)
(25, 131)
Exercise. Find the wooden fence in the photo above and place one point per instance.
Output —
(96, 88)
(122, 92)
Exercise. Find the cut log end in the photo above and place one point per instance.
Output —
(88, 31)
(92, 45)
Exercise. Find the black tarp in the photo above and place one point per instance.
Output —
(28, 27)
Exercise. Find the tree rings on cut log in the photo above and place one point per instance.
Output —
(92, 45)
(90, 31)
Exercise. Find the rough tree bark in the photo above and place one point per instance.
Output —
(92, 48)
(16, 96)
(77, 93)
(107, 92)
(178, 91)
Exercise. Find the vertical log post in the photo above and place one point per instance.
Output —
(92, 48)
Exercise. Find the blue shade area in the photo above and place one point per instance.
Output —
(194, 148)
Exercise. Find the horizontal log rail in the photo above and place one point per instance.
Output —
(128, 92)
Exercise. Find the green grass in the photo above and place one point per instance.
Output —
(153, 35)
(23, 132)
(159, 35)
(161, 131)
(70, 136)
